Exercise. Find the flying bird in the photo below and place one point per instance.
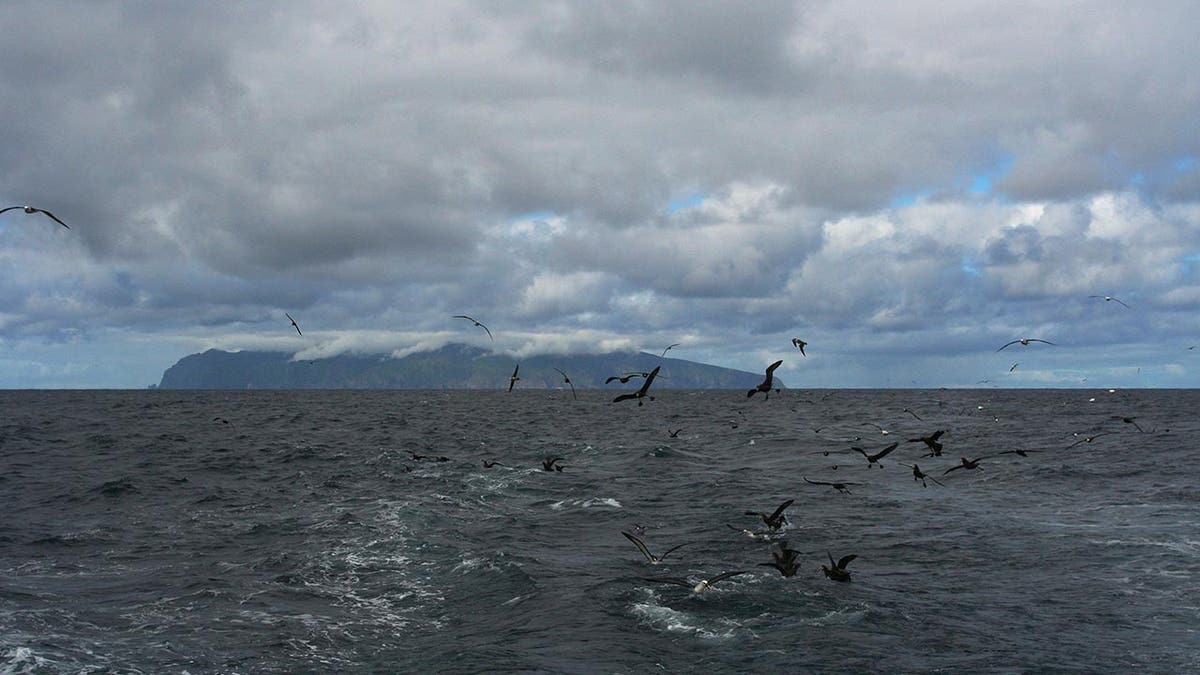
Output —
(623, 378)
(512, 379)
(289, 316)
(549, 464)
(34, 209)
(840, 487)
(1109, 298)
(640, 393)
(966, 464)
(696, 588)
(674, 434)
(784, 560)
(799, 344)
(669, 347)
(1086, 439)
(913, 414)
(485, 328)
(872, 460)
(650, 557)
(837, 570)
(920, 475)
(776, 520)
(931, 441)
(489, 464)
(1128, 420)
(1014, 367)
(567, 380)
(766, 384)
(1024, 342)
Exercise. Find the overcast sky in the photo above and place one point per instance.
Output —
(905, 186)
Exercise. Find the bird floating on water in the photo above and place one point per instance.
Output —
(696, 588)
(837, 570)
(34, 209)
(485, 328)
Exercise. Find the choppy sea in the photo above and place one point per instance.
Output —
(285, 532)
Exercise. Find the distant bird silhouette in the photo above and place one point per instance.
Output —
(766, 384)
(294, 325)
(650, 557)
(567, 380)
(837, 570)
(222, 420)
(623, 378)
(840, 487)
(674, 434)
(436, 458)
(920, 475)
(696, 588)
(872, 460)
(1014, 367)
(931, 441)
(550, 464)
(882, 431)
(966, 464)
(776, 519)
(513, 379)
(488, 465)
(799, 344)
(669, 347)
(485, 328)
(640, 393)
(1128, 420)
(1024, 342)
(34, 209)
(913, 414)
(1085, 439)
(1109, 298)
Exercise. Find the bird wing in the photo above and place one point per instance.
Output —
(845, 561)
(565, 378)
(1122, 304)
(779, 511)
(641, 547)
(953, 468)
(668, 551)
(485, 329)
(614, 377)
(1008, 345)
(937, 434)
(69, 227)
(670, 580)
(883, 453)
(725, 575)
(624, 397)
(1040, 340)
(10, 208)
(649, 379)
(815, 482)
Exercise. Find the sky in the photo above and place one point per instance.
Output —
(906, 186)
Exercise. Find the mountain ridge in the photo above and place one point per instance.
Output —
(452, 366)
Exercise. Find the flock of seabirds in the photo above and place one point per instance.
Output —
(785, 560)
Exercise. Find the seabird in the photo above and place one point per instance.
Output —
(650, 557)
(1086, 439)
(289, 316)
(1128, 420)
(931, 441)
(913, 414)
(640, 393)
(776, 520)
(873, 459)
(1024, 342)
(750, 533)
(669, 347)
(784, 560)
(920, 475)
(840, 487)
(567, 380)
(622, 378)
(799, 344)
(488, 465)
(34, 209)
(464, 316)
(966, 464)
(1109, 298)
(883, 431)
(837, 571)
(548, 464)
(512, 379)
(1014, 367)
(418, 458)
(765, 385)
(674, 434)
(696, 588)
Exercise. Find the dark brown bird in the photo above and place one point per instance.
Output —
(549, 464)
(837, 571)
(931, 442)
(799, 344)
(840, 487)
(513, 378)
(289, 316)
(640, 393)
(966, 464)
(776, 520)
(872, 460)
(567, 380)
(766, 385)
(784, 560)
(34, 209)
(669, 348)
(485, 328)
(920, 475)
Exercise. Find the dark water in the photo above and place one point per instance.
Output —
(140, 535)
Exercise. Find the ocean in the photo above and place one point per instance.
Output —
(295, 532)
